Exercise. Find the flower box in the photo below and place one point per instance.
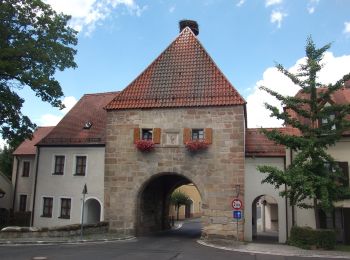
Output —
(196, 145)
(145, 145)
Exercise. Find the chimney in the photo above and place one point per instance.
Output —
(189, 23)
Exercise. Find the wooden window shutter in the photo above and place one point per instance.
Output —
(187, 135)
(156, 135)
(208, 135)
(345, 172)
(136, 135)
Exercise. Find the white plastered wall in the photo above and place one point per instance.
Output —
(253, 189)
(68, 185)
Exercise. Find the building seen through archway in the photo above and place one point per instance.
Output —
(265, 219)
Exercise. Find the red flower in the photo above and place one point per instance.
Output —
(196, 145)
(144, 145)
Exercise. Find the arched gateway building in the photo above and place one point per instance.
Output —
(180, 98)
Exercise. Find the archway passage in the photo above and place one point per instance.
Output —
(92, 211)
(154, 203)
(265, 219)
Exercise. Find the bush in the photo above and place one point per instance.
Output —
(308, 238)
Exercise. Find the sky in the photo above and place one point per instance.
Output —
(118, 39)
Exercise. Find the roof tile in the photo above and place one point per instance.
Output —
(184, 75)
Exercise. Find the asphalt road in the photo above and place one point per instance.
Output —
(171, 245)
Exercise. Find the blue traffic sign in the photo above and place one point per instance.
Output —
(237, 214)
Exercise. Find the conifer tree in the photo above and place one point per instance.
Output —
(313, 179)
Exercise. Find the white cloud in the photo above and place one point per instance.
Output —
(273, 2)
(51, 119)
(311, 6)
(2, 143)
(86, 14)
(258, 115)
(240, 3)
(172, 9)
(346, 28)
(277, 17)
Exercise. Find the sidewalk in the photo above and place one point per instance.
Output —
(272, 249)
(88, 238)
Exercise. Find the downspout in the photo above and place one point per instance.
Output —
(286, 200)
(293, 216)
(35, 184)
(15, 188)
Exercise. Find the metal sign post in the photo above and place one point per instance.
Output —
(237, 205)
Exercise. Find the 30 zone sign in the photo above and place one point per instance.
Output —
(237, 204)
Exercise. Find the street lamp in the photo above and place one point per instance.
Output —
(82, 213)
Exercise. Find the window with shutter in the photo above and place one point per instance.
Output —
(156, 135)
(136, 135)
(187, 135)
(208, 133)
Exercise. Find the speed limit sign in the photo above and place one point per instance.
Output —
(237, 204)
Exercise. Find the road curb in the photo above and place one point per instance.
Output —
(201, 242)
(67, 242)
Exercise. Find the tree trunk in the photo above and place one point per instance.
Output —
(317, 220)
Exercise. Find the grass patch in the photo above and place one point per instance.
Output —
(345, 248)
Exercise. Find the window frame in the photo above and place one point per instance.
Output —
(149, 131)
(54, 172)
(27, 173)
(66, 216)
(20, 209)
(76, 165)
(197, 131)
(44, 206)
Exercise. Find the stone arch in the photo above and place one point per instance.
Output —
(152, 206)
(92, 211)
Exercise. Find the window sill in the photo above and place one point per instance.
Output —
(82, 175)
(62, 217)
(57, 173)
(45, 216)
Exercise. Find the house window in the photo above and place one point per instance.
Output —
(25, 170)
(65, 208)
(197, 134)
(22, 203)
(47, 207)
(344, 168)
(80, 166)
(59, 165)
(327, 120)
(147, 134)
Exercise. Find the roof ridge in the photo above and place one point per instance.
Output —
(102, 93)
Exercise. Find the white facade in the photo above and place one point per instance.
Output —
(253, 190)
(69, 185)
(22, 183)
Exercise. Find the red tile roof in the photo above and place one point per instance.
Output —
(257, 144)
(70, 130)
(341, 97)
(27, 147)
(184, 75)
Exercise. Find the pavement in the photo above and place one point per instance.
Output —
(273, 249)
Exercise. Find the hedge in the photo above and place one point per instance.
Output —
(308, 238)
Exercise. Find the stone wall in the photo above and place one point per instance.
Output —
(215, 172)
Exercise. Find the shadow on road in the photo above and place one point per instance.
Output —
(191, 229)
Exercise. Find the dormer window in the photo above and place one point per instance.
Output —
(87, 125)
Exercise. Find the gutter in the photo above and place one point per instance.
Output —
(35, 184)
(286, 201)
(15, 188)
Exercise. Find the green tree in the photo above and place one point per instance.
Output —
(178, 198)
(6, 159)
(35, 42)
(313, 174)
